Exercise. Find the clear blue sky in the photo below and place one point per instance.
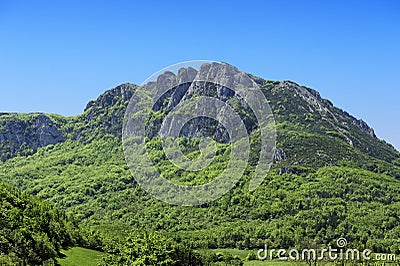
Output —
(57, 55)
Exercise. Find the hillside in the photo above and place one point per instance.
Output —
(32, 232)
(331, 177)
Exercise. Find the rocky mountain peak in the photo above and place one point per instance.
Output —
(110, 97)
(186, 74)
(291, 103)
(222, 74)
(225, 74)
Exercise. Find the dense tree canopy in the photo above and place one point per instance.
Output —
(31, 230)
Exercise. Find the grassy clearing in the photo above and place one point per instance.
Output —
(235, 252)
(78, 256)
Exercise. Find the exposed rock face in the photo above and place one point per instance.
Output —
(225, 75)
(316, 104)
(189, 83)
(122, 92)
(105, 114)
(279, 155)
(25, 135)
(305, 107)
(287, 170)
(175, 86)
(46, 132)
(364, 127)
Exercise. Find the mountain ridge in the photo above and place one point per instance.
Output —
(121, 95)
(328, 172)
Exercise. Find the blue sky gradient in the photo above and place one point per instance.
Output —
(55, 56)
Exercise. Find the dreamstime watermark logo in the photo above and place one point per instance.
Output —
(323, 254)
(178, 95)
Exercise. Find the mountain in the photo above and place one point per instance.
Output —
(331, 177)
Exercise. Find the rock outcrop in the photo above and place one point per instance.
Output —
(24, 134)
